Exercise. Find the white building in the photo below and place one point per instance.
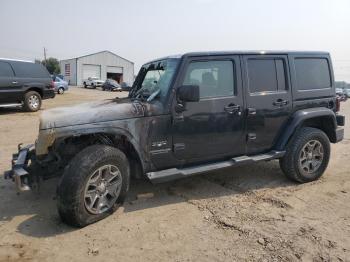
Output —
(103, 65)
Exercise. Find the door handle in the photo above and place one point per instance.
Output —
(232, 108)
(14, 82)
(251, 111)
(280, 102)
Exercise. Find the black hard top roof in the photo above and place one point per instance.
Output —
(254, 52)
(257, 52)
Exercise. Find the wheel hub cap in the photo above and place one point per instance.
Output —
(33, 101)
(101, 188)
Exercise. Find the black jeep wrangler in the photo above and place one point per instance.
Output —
(187, 115)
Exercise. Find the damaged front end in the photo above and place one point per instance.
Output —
(20, 172)
(64, 132)
(29, 164)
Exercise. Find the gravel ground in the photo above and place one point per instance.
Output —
(248, 213)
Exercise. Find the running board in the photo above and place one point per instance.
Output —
(176, 173)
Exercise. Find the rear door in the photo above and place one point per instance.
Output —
(269, 101)
(8, 84)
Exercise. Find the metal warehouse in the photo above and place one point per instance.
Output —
(102, 65)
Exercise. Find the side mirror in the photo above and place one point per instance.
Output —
(188, 93)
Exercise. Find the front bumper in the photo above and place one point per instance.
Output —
(19, 173)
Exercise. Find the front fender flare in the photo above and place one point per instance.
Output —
(49, 136)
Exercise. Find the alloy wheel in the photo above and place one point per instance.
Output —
(311, 157)
(102, 189)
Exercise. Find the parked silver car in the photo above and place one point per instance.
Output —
(60, 85)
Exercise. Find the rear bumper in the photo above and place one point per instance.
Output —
(340, 120)
(50, 93)
(339, 132)
(18, 172)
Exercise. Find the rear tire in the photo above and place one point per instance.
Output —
(85, 86)
(32, 101)
(60, 91)
(307, 155)
(85, 194)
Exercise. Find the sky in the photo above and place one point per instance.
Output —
(141, 30)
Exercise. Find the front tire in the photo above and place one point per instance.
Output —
(93, 186)
(307, 155)
(32, 101)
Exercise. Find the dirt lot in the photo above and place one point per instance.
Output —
(250, 213)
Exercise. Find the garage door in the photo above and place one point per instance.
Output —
(91, 71)
(114, 69)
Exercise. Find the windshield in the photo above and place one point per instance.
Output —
(154, 79)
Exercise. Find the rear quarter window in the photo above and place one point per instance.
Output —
(5, 70)
(30, 70)
(312, 73)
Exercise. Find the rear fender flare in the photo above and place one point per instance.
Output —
(297, 120)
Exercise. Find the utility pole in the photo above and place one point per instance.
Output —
(45, 56)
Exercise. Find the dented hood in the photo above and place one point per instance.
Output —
(88, 113)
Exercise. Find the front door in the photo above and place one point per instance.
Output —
(268, 92)
(212, 128)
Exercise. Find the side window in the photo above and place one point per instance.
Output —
(215, 78)
(5, 70)
(30, 70)
(312, 73)
(266, 75)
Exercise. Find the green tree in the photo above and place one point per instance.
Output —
(52, 65)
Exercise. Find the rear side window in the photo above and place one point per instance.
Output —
(266, 75)
(30, 70)
(214, 78)
(5, 70)
(312, 73)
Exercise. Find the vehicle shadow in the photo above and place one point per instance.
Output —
(15, 109)
(10, 110)
(45, 222)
